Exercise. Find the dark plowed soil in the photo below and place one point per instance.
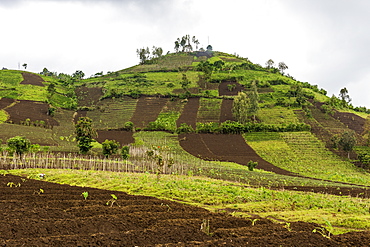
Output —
(147, 110)
(232, 148)
(189, 113)
(61, 217)
(123, 137)
(226, 110)
(4, 102)
(352, 121)
(224, 90)
(34, 110)
(88, 96)
(32, 79)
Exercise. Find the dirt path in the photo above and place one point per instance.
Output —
(32, 79)
(61, 217)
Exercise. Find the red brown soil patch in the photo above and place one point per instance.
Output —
(147, 110)
(224, 90)
(189, 113)
(88, 96)
(4, 102)
(352, 121)
(34, 110)
(32, 79)
(123, 137)
(226, 110)
(232, 148)
(61, 217)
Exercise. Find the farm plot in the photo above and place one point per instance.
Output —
(226, 110)
(32, 79)
(189, 113)
(209, 110)
(38, 213)
(35, 111)
(112, 113)
(147, 110)
(230, 148)
(303, 153)
(229, 88)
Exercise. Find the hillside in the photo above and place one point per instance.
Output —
(181, 109)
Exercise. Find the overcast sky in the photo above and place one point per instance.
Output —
(324, 42)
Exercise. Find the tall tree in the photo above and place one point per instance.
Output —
(143, 54)
(253, 101)
(177, 46)
(84, 134)
(78, 75)
(270, 64)
(282, 67)
(347, 141)
(344, 96)
(240, 108)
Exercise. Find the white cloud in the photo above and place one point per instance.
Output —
(323, 42)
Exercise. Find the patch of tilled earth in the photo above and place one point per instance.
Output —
(62, 217)
(32, 79)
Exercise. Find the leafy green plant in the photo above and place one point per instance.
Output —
(251, 165)
(125, 152)
(112, 201)
(110, 147)
(12, 184)
(39, 192)
(204, 227)
(85, 194)
(19, 144)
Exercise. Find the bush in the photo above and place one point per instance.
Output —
(125, 152)
(19, 144)
(251, 165)
(184, 128)
(129, 126)
(110, 147)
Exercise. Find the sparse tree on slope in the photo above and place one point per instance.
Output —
(240, 108)
(253, 101)
(347, 141)
(84, 134)
(344, 96)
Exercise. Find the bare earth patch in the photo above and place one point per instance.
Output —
(61, 217)
(32, 79)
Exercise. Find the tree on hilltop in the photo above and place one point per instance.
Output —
(282, 66)
(270, 64)
(344, 96)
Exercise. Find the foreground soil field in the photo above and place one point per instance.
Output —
(38, 213)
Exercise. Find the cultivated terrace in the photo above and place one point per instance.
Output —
(192, 148)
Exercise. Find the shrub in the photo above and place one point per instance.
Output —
(129, 126)
(19, 144)
(110, 147)
(184, 128)
(251, 165)
(125, 152)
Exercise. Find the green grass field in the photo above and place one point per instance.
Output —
(303, 153)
